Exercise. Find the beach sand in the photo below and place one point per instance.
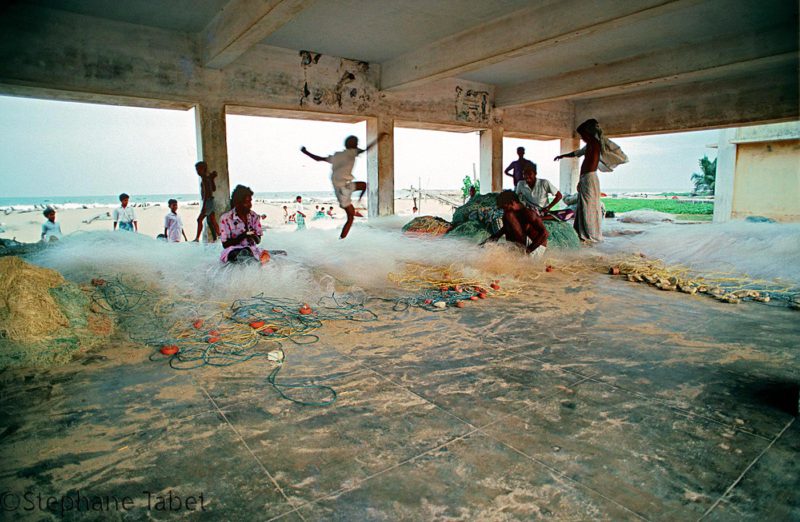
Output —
(26, 225)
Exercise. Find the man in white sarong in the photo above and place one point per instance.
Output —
(602, 153)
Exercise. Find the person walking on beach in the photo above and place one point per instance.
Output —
(342, 176)
(173, 225)
(517, 168)
(124, 216)
(602, 153)
(50, 229)
(207, 189)
(240, 229)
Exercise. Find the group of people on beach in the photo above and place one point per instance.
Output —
(527, 207)
(524, 209)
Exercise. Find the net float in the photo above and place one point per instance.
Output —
(169, 349)
(305, 309)
(257, 324)
(198, 324)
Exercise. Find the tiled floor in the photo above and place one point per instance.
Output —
(641, 405)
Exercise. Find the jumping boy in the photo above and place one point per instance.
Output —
(173, 225)
(207, 188)
(124, 216)
(50, 229)
(521, 225)
(342, 176)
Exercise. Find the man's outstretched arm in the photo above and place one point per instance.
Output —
(311, 155)
(369, 146)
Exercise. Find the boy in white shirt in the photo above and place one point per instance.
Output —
(342, 176)
(299, 213)
(124, 216)
(173, 225)
(50, 229)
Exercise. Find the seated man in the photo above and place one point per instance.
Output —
(533, 193)
(521, 225)
(240, 229)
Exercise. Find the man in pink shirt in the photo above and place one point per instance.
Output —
(240, 229)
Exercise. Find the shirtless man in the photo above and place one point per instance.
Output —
(521, 225)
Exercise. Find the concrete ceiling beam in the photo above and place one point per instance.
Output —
(670, 67)
(522, 32)
(764, 96)
(241, 24)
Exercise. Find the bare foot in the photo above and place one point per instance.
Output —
(264, 258)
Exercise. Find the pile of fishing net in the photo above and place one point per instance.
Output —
(427, 225)
(480, 217)
(44, 320)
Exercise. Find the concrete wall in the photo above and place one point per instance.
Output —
(758, 173)
(767, 180)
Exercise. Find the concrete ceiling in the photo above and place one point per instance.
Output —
(532, 51)
(188, 16)
(379, 30)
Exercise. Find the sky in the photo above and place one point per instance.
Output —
(54, 148)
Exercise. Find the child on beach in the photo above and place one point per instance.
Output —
(50, 229)
(124, 216)
(299, 213)
(240, 229)
(285, 214)
(342, 176)
(207, 188)
(173, 225)
(331, 213)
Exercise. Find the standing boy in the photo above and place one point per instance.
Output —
(124, 216)
(207, 188)
(342, 176)
(50, 229)
(299, 213)
(173, 225)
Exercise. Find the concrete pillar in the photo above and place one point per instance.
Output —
(491, 160)
(726, 172)
(570, 172)
(380, 167)
(212, 147)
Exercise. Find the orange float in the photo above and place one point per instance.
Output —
(169, 349)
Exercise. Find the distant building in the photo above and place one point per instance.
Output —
(758, 173)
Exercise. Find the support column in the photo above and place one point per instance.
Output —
(726, 174)
(491, 160)
(212, 147)
(380, 167)
(569, 167)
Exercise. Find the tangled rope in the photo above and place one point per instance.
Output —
(194, 334)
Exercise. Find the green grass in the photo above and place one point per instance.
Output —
(670, 206)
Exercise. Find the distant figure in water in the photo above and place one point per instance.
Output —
(602, 153)
(285, 214)
(240, 229)
(521, 225)
(50, 229)
(124, 216)
(207, 188)
(342, 176)
(173, 225)
(331, 212)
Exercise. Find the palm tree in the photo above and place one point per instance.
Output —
(704, 181)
